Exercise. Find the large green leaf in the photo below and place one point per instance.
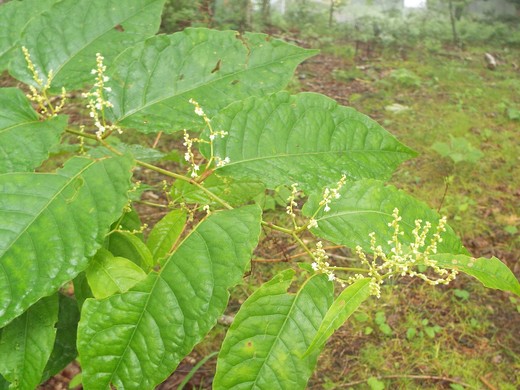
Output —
(136, 339)
(340, 310)
(307, 139)
(271, 332)
(165, 233)
(14, 16)
(491, 272)
(64, 350)
(51, 225)
(26, 344)
(24, 139)
(366, 206)
(153, 81)
(67, 37)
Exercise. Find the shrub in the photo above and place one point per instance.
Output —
(78, 277)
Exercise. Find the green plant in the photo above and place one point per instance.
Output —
(405, 78)
(458, 150)
(76, 268)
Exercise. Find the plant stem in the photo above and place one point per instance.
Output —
(158, 169)
(350, 269)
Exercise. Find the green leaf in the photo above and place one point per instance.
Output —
(82, 290)
(273, 328)
(234, 191)
(14, 16)
(138, 152)
(52, 224)
(153, 81)
(340, 310)
(492, 273)
(136, 339)
(26, 344)
(131, 247)
(375, 384)
(367, 206)
(165, 233)
(24, 139)
(67, 37)
(64, 350)
(4, 385)
(307, 139)
(108, 275)
(130, 221)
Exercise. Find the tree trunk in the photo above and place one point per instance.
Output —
(266, 12)
(331, 13)
(245, 22)
(453, 23)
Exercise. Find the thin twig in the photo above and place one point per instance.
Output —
(485, 381)
(157, 140)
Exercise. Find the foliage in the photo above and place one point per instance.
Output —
(145, 303)
(459, 149)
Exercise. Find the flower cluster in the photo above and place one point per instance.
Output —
(403, 260)
(189, 156)
(40, 97)
(320, 263)
(97, 102)
(222, 161)
(330, 194)
(291, 201)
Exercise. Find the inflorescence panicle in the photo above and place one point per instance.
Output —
(189, 156)
(40, 97)
(98, 101)
(330, 194)
(401, 260)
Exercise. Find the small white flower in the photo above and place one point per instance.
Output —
(315, 266)
(187, 156)
(327, 208)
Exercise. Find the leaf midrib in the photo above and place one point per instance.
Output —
(282, 328)
(19, 124)
(207, 85)
(48, 203)
(82, 48)
(296, 155)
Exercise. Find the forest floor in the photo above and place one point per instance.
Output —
(463, 119)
